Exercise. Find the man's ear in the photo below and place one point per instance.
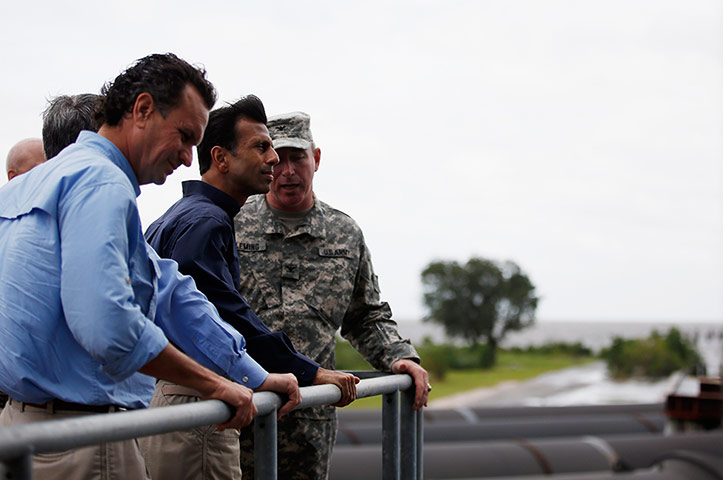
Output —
(143, 109)
(317, 158)
(219, 158)
(12, 173)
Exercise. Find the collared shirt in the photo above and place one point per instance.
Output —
(197, 232)
(84, 301)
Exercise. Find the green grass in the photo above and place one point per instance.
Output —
(510, 366)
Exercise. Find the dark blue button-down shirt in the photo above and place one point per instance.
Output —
(197, 232)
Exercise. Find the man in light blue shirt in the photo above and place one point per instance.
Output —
(87, 308)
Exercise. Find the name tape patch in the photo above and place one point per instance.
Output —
(334, 252)
(252, 246)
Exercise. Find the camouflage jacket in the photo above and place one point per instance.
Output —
(314, 280)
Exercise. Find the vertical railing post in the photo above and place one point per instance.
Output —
(420, 444)
(19, 468)
(408, 440)
(390, 436)
(265, 460)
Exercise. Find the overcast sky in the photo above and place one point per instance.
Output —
(581, 139)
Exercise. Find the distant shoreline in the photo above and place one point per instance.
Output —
(594, 335)
(589, 333)
(579, 385)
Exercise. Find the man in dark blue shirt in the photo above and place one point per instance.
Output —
(236, 160)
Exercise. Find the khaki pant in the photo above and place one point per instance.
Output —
(202, 453)
(107, 461)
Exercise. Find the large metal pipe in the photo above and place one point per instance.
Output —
(635, 453)
(529, 457)
(679, 465)
(529, 427)
(472, 415)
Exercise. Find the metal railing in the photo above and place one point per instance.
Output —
(401, 445)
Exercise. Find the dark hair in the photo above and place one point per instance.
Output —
(65, 117)
(221, 129)
(163, 76)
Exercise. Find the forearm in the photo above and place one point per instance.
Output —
(368, 323)
(375, 336)
(177, 367)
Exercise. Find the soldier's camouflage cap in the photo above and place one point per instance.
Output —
(290, 130)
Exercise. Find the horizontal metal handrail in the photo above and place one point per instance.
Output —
(60, 435)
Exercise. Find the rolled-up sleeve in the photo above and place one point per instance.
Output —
(96, 293)
(192, 323)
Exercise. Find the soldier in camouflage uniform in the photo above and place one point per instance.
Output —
(306, 270)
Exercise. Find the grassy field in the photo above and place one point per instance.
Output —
(510, 366)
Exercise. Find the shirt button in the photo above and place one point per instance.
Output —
(245, 379)
(128, 280)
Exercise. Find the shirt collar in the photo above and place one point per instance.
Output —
(112, 152)
(218, 197)
(313, 223)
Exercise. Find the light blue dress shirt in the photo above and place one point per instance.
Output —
(84, 300)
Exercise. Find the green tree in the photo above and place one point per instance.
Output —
(480, 300)
(652, 357)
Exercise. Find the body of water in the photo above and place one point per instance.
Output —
(597, 335)
(584, 385)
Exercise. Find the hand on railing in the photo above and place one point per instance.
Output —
(238, 397)
(284, 384)
(421, 380)
(175, 366)
(345, 381)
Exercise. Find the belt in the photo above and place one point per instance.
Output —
(57, 405)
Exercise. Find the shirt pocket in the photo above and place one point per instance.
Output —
(329, 276)
(261, 294)
(256, 268)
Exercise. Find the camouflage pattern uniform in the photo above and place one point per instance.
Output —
(309, 282)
